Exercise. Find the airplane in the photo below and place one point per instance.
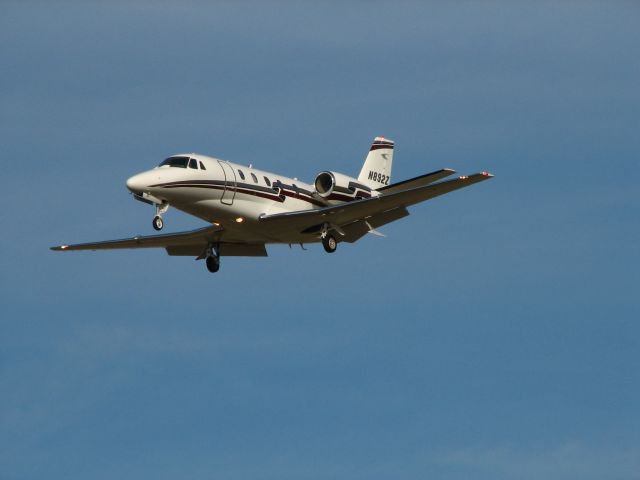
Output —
(248, 208)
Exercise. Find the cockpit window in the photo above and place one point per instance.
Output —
(202, 166)
(255, 179)
(175, 162)
(193, 164)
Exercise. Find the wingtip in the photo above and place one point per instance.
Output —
(59, 248)
(476, 176)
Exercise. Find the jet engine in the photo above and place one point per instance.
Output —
(336, 186)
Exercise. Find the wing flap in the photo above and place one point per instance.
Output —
(224, 249)
(186, 250)
(242, 250)
(356, 230)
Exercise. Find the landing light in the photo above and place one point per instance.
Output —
(216, 224)
(239, 220)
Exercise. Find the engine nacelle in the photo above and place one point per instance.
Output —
(336, 186)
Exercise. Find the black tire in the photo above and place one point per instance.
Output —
(157, 223)
(329, 243)
(213, 264)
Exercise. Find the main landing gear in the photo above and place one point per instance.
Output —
(158, 223)
(213, 259)
(213, 264)
(329, 243)
(161, 208)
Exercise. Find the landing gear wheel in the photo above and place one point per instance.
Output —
(329, 243)
(158, 223)
(213, 264)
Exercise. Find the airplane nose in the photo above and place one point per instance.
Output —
(136, 183)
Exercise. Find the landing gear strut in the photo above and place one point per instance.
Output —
(157, 220)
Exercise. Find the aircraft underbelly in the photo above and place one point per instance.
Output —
(247, 207)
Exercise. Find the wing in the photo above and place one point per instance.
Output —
(191, 243)
(353, 217)
(416, 182)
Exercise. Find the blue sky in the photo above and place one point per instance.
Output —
(494, 332)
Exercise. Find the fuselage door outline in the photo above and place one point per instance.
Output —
(229, 192)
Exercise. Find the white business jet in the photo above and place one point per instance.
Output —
(248, 208)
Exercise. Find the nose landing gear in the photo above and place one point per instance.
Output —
(157, 220)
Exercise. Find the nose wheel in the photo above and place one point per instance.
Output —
(157, 222)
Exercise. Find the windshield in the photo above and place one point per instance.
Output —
(175, 162)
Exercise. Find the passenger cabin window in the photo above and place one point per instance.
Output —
(193, 163)
(202, 166)
(180, 162)
(241, 174)
(255, 179)
(267, 181)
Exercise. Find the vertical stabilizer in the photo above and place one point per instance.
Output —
(376, 171)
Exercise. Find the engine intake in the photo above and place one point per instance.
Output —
(339, 186)
(325, 183)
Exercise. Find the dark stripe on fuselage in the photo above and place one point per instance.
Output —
(222, 183)
(264, 193)
(355, 185)
(337, 196)
(249, 189)
(343, 190)
(299, 196)
(188, 182)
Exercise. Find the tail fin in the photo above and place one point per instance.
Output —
(376, 171)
